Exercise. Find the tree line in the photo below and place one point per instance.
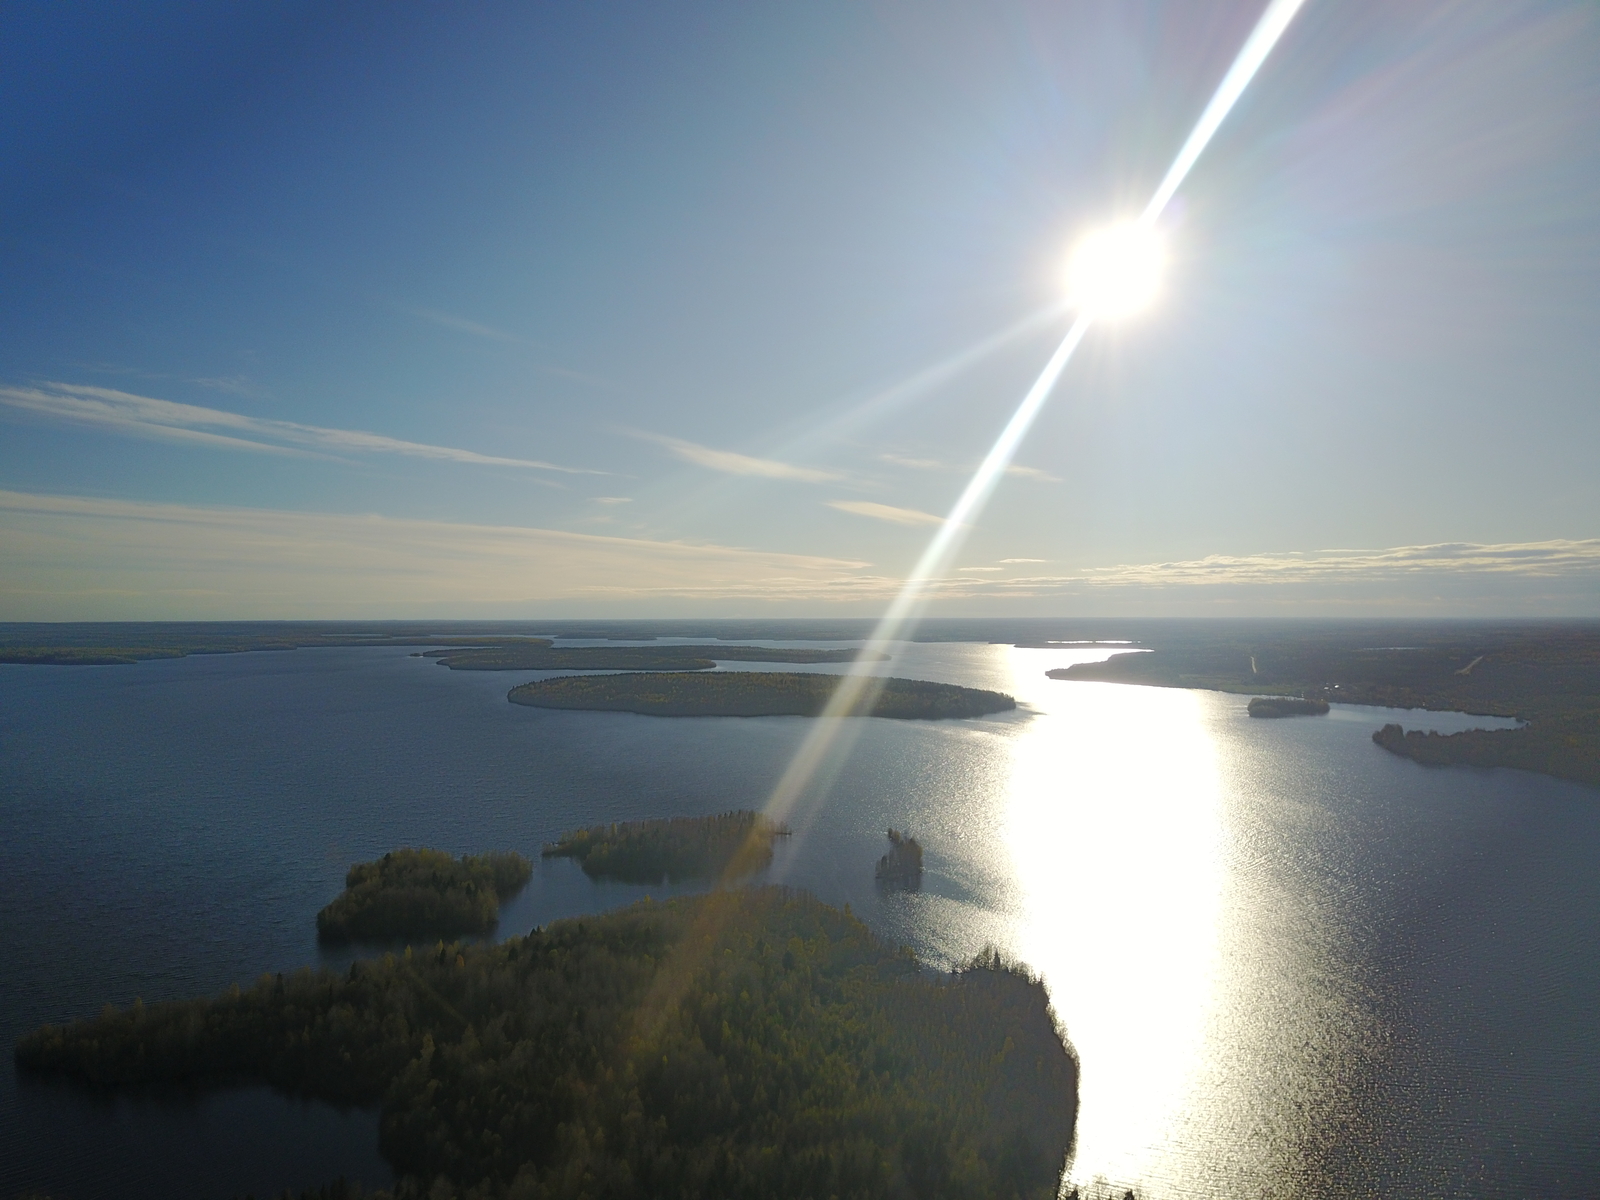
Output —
(741, 1044)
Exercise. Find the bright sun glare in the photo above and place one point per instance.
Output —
(1116, 271)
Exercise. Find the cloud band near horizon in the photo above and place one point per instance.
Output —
(85, 558)
(79, 558)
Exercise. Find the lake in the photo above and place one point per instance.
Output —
(1291, 963)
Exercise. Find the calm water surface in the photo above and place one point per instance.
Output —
(1292, 964)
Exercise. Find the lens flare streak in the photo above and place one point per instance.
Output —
(859, 687)
(827, 743)
(1257, 46)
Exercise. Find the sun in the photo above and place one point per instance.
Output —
(1116, 271)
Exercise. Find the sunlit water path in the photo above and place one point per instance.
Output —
(1292, 964)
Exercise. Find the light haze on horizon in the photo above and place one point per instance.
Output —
(537, 312)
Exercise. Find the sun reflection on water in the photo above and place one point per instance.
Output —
(1114, 827)
(1181, 897)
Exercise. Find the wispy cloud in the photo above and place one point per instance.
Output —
(477, 329)
(916, 464)
(1032, 473)
(732, 463)
(462, 325)
(86, 558)
(1333, 576)
(885, 512)
(1550, 559)
(934, 464)
(612, 499)
(1544, 578)
(234, 385)
(978, 569)
(146, 416)
(1024, 560)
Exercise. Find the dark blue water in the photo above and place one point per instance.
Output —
(1366, 977)
(173, 827)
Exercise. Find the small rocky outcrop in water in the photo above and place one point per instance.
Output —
(1287, 706)
(903, 864)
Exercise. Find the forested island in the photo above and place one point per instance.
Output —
(536, 656)
(903, 864)
(739, 1044)
(1544, 673)
(422, 894)
(728, 845)
(1287, 706)
(750, 694)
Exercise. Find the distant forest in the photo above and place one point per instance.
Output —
(1546, 673)
(750, 694)
(94, 643)
(742, 1044)
(422, 893)
(127, 642)
(733, 844)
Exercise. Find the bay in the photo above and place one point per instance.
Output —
(1292, 964)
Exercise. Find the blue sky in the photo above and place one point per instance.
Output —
(521, 310)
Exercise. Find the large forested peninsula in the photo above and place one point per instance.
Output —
(542, 656)
(422, 894)
(731, 845)
(1476, 748)
(750, 694)
(1546, 673)
(740, 1044)
(463, 646)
